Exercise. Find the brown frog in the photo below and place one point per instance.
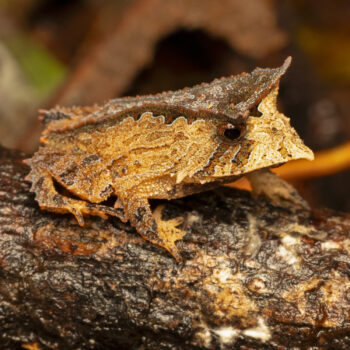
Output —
(164, 146)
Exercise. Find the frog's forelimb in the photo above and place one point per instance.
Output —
(152, 227)
(281, 193)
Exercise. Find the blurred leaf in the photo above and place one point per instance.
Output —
(42, 70)
(329, 49)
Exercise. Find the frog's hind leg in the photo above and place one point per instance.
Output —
(49, 199)
(152, 227)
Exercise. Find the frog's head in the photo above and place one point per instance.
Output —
(262, 141)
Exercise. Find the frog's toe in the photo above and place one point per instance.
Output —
(118, 212)
(80, 208)
(168, 232)
(105, 211)
(77, 214)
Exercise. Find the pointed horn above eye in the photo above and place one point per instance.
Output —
(253, 87)
(286, 64)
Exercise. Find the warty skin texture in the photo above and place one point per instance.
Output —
(163, 147)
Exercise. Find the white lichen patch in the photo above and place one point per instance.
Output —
(289, 240)
(330, 245)
(261, 332)
(227, 335)
(288, 250)
(223, 274)
(287, 255)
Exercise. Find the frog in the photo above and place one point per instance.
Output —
(110, 160)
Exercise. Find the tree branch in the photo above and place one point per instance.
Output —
(254, 276)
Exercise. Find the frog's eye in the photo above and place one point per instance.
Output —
(230, 131)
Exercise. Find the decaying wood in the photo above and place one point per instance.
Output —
(254, 276)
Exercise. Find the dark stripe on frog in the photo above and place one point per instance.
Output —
(208, 169)
(67, 176)
(170, 113)
(90, 159)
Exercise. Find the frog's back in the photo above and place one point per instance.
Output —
(146, 144)
(228, 96)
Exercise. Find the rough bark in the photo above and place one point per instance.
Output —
(254, 276)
